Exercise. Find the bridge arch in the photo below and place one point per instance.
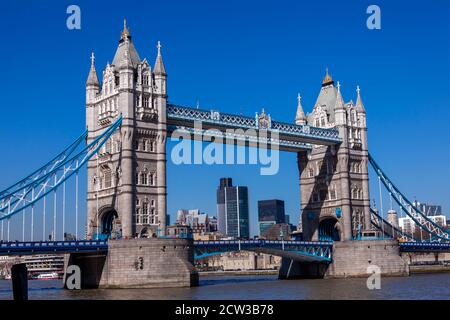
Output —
(330, 229)
(110, 224)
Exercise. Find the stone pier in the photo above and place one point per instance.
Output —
(351, 259)
(138, 263)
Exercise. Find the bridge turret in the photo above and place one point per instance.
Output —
(300, 118)
(126, 70)
(160, 73)
(92, 90)
(339, 108)
(160, 100)
(92, 83)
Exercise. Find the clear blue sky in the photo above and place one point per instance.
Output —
(238, 56)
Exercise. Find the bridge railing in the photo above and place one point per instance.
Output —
(188, 113)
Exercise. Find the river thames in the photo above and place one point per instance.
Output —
(417, 286)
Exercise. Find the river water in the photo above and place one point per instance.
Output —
(417, 286)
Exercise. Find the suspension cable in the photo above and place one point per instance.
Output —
(428, 225)
(32, 218)
(76, 204)
(381, 204)
(23, 225)
(97, 183)
(43, 220)
(54, 213)
(64, 212)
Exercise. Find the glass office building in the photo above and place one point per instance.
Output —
(232, 210)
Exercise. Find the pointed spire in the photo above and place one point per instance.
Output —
(159, 64)
(92, 78)
(327, 79)
(125, 35)
(339, 100)
(300, 118)
(359, 104)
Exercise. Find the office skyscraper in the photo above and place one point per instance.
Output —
(270, 212)
(232, 209)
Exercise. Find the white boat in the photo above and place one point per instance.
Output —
(47, 276)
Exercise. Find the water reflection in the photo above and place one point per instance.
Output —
(424, 286)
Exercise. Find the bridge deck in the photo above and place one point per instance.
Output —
(289, 136)
(48, 247)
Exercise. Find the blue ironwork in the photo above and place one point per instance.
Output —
(16, 201)
(269, 141)
(46, 167)
(319, 251)
(375, 220)
(424, 246)
(46, 247)
(414, 213)
(183, 114)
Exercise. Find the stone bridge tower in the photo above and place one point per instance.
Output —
(127, 180)
(334, 181)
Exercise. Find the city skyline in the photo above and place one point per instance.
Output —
(392, 110)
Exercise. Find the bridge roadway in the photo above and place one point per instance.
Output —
(305, 251)
(289, 137)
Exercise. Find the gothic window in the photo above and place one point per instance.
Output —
(322, 122)
(146, 105)
(107, 177)
(138, 216)
(316, 123)
(153, 203)
(152, 216)
(145, 79)
(333, 192)
(145, 213)
(143, 178)
(152, 179)
(137, 201)
(137, 177)
(311, 172)
(357, 222)
(145, 144)
(354, 116)
(152, 146)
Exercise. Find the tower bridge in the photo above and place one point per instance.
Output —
(129, 119)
